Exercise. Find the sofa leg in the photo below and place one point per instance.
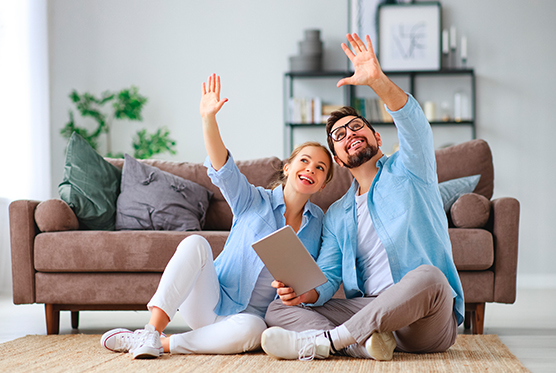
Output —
(467, 321)
(75, 319)
(479, 319)
(476, 313)
(52, 314)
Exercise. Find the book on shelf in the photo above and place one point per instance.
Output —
(384, 114)
(305, 110)
(327, 109)
(372, 108)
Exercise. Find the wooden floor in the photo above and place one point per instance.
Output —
(527, 327)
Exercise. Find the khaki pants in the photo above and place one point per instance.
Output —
(418, 309)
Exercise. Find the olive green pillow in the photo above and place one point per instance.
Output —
(90, 185)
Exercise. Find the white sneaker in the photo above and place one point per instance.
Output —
(143, 343)
(116, 340)
(355, 350)
(381, 346)
(284, 344)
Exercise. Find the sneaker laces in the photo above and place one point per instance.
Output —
(308, 347)
(141, 337)
(126, 340)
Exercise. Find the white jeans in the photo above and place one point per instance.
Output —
(190, 284)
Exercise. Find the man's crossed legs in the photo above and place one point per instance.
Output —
(414, 315)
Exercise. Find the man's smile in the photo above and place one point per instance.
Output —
(355, 143)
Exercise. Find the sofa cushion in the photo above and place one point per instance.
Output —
(472, 249)
(478, 286)
(158, 200)
(451, 190)
(471, 210)
(119, 251)
(259, 172)
(466, 159)
(90, 185)
(55, 215)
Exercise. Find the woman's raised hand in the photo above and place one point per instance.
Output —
(210, 101)
(210, 105)
(365, 63)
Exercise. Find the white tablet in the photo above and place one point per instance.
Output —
(288, 261)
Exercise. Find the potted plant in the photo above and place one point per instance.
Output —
(125, 104)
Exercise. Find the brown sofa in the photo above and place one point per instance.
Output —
(65, 268)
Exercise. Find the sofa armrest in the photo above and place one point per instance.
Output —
(22, 238)
(505, 231)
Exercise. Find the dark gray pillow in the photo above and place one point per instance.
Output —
(154, 199)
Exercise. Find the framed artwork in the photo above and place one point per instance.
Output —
(362, 17)
(409, 36)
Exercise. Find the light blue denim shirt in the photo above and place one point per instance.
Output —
(406, 209)
(257, 212)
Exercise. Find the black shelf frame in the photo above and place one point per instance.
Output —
(349, 93)
(289, 78)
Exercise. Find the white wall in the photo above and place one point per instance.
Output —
(168, 48)
(513, 50)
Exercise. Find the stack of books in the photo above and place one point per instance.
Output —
(303, 110)
(372, 109)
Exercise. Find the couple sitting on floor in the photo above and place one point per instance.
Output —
(386, 240)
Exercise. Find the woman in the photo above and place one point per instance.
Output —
(224, 301)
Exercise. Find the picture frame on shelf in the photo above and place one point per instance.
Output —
(362, 18)
(409, 36)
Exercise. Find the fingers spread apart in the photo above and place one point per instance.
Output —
(356, 43)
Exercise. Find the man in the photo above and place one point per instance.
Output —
(386, 239)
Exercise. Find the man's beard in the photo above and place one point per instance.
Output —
(362, 156)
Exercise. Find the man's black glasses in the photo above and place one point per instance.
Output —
(339, 133)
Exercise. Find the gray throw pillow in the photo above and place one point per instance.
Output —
(152, 199)
(451, 190)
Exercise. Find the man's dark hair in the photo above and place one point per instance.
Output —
(335, 116)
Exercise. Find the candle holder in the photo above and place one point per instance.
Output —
(463, 52)
(453, 58)
(446, 60)
(453, 48)
(445, 49)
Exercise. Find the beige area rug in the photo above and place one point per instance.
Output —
(83, 353)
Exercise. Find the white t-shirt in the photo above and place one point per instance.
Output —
(372, 260)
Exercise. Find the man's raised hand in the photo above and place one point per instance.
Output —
(368, 72)
(365, 63)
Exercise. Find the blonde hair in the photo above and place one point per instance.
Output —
(282, 178)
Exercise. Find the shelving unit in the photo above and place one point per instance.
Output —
(414, 82)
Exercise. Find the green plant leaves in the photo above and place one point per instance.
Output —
(146, 145)
(126, 104)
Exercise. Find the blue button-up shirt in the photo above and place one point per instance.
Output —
(406, 209)
(257, 212)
